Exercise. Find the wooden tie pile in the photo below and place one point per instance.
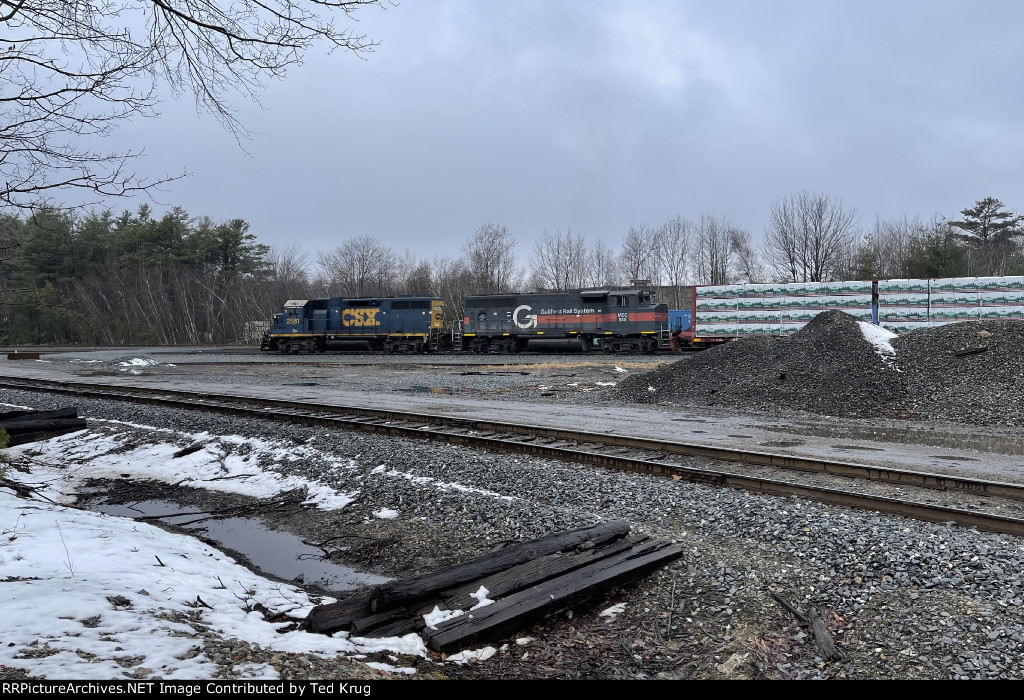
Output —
(518, 586)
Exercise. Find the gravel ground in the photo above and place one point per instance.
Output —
(903, 599)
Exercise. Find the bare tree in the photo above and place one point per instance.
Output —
(452, 281)
(807, 235)
(74, 70)
(713, 251)
(673, 242)
(416, 276)
(602, 268)
(289, 267)
(490, 254)
(639, 257)
(883, 253)
(747, 266)
(360, 267)
(559, 261)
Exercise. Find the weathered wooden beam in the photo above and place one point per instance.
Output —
(29, 425)
(532, 573)
(823, 638)
(407, 592)
(364, 625)
(332, 617)
(58, 413)
(398, 628)
(25, 438)
(497, 585)
(531, 605)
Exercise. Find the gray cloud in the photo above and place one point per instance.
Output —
(596, 115)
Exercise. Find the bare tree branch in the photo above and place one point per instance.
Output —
(71, 72)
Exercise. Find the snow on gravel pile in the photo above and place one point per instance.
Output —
(829, 367)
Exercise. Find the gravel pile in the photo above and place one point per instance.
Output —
(827, 368)
(970, 372)
(904, 599)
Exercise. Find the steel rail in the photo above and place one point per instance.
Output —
(423, 426)
(887, 475)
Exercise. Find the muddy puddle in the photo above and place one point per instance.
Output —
(271, 552)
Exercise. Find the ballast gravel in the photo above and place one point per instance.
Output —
(903, 599)
(969, 373)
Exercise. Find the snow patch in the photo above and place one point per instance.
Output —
(473, 655)
(613, 610)
(436, 616)
(481, 596)
(881, 339)
(138, 362)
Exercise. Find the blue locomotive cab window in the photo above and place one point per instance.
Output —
(622, 301)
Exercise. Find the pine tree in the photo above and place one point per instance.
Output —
(989, 230)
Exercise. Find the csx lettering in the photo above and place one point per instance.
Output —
(359, 317)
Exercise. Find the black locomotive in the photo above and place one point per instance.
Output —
(611, 321)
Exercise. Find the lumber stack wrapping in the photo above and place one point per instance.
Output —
(501, 592)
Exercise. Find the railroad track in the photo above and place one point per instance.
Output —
(643, 455)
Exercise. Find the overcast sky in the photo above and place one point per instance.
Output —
(595, 115)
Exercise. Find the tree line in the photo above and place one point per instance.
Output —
(69, 277)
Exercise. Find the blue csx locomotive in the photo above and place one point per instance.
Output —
(400, 324)
(625, 320)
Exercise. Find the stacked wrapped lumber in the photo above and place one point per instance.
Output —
(497, 594)
(31, 426)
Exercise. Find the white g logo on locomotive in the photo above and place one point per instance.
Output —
(530, 319)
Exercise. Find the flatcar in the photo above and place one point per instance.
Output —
(610, 321)
(720, 313)
(400, 324)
